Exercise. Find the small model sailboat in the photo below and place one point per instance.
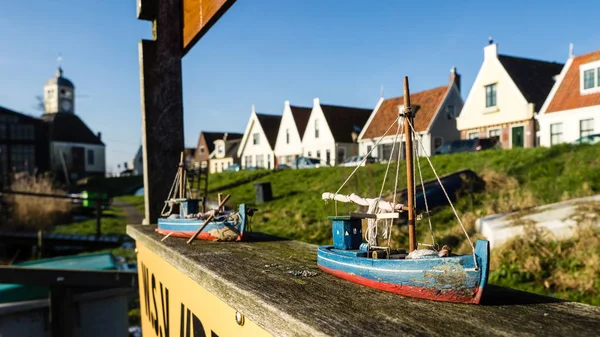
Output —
(420, 273)
(215, 225)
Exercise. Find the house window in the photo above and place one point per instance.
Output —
(220, 148)
(494, 133)
(473, 135)
(319, 154)
(90, 157)
(308, 154)
(255, 138)
(248, 161)
(222, 166)
(437, 142)
(490, 95)
(287, 136)
(555, 133)
(369, 148)
(328, 157)
(450, 111)
(316, 128)
(22, 132)
(22, 157)
(586, 127)
(260, 160)
(202, 149)
(589, 79)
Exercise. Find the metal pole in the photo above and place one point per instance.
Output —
(98, 216)
(409, 167)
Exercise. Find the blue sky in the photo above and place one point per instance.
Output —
(263, 52)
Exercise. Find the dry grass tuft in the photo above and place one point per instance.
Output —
(566, 268)
(36, 213)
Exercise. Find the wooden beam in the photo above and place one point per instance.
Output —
(162, 106)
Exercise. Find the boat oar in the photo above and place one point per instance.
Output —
(208, 220)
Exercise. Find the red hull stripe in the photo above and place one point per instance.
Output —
(202, 236)
(412, 291)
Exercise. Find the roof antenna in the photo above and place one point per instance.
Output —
(570, 50)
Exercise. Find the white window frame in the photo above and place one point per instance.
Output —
(473, 132)
(256, 138)
(590, 131)
(495, 86)
(561, 133)
(595, 66)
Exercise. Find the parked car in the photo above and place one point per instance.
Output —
(468, 145)
(356, 160)
(283, 167)
(305, 162)
(589, 139)
(233, 168)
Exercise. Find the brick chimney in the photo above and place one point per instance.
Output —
(455, 77)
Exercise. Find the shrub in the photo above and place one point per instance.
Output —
(32, 212)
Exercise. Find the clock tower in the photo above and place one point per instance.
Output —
(59, 94)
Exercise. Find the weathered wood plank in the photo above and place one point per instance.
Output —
(257, 278)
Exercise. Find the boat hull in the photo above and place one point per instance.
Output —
(216, 230)
(448, 279)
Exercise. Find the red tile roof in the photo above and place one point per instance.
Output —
(426, 102)
(568, 95)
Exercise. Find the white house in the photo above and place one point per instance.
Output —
(435, 121)
(225, 152)
(572, 109)
(289, 138)
(332, 131)
(506, 94)
(258, 143)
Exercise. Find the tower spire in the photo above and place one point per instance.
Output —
(59, 60)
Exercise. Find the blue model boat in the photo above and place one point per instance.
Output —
(214, 225)
(421, 273)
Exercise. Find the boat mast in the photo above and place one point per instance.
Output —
(410, 179)
(181, 177)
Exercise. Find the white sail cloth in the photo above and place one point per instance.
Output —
(369, 202)
(372, 204)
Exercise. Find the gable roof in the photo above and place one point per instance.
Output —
(66, 127)
(232, 147)
(210, 138)
(425, 104)
(344, 120)
(301, 116)
(568, 95)
(534, 78)
(270, 125)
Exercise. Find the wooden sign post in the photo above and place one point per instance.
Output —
(176, 27)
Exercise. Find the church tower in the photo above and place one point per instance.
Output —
(59, 94)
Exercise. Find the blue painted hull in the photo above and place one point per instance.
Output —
(219, 229)
(451, 279)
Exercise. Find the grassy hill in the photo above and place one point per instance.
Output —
(514, 180)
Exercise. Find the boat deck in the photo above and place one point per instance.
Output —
(276, 283)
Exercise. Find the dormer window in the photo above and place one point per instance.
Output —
(590, 77)
(220, 149)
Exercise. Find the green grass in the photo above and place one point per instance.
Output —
(112, 222)
(514, 180)
(135, 201)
